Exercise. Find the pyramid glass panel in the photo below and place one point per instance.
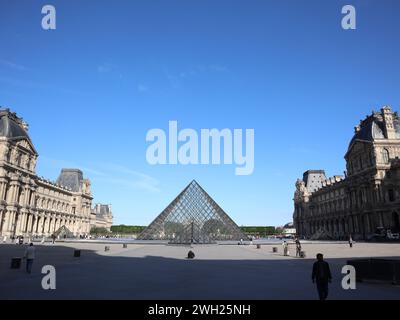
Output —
(193, 217)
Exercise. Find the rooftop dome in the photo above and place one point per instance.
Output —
(289, 225)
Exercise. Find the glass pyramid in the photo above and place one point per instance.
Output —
(193, 217)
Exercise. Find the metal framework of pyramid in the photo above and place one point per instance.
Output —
(193, 217)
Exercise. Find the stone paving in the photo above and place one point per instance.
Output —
(159, 271)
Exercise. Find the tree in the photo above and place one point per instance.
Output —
(123, 229)
(99, 231)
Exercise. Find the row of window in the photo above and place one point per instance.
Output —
(358, 199)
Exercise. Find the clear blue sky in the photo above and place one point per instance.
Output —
(112, 70)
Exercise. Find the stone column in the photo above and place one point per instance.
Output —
(13, 194)
(38, 224)
(24, 222)
(29, 224)
(27, 195)
(53, 224)
(19, 221)
(44, 220)
(58, 222)
(6, 221)
(50, 223)
(2, 220)
(3, 188)
(33, 197)
(35, 224)
(13, 221)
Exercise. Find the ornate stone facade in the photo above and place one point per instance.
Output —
(367, 197)
(33, 206)
(102, 216)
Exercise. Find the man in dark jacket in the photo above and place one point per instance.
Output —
(321, 274)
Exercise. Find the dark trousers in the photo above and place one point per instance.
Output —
(323, 290)
(29, 263)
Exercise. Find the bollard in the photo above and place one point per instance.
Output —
(107, 249)
(302, 254)
(274, 249)
(77, 253)
(16, 263)
(125, 246)
(259, 246)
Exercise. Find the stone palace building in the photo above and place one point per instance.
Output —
(33, 206)
(102, 216)
(367, 197)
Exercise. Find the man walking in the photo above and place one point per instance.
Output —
(285, 248)
(29, 256)
(298, 248)
(351, 242)
(321, 274)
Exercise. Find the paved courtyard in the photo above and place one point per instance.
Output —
(145, 271)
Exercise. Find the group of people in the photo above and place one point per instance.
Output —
(20, 240)
(299, 252)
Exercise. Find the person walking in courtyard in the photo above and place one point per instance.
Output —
(285, 248)
(43, 240)
(298, 248)
(53, 237)
(321, 275)
(351, 242)
(29, 256)
(5, 239)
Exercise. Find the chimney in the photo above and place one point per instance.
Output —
(387, 115)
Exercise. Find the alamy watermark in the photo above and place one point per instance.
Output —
(348, 21)
(49, 20)
(49, 280)
(187, 146)
(349, 280)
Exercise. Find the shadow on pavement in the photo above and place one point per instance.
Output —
(104, 276)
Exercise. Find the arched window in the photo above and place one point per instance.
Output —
(385, 155)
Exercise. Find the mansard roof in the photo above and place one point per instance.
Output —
(102, 209)
(70, 178)
(372, 128)
(11, 126)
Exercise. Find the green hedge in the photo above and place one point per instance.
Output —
(250, 230)
(260, 231)
(123, 229)
(101, 231)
